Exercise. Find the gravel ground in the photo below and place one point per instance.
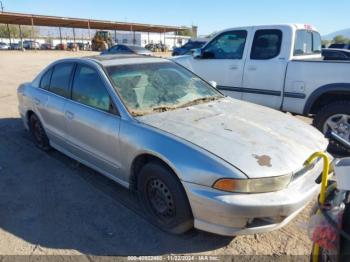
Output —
(49, 204)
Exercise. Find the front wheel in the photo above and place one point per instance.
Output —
(335, 117)
(164, 199)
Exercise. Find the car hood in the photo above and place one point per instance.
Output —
(259, 141)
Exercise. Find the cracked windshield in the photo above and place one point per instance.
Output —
(158, 87)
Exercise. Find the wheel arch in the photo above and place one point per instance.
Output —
(141, 160)
(325, 95)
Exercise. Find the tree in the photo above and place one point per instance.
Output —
(326, 43)
(14, 31)
(339, 39)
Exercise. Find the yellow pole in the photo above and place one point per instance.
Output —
(324, 185)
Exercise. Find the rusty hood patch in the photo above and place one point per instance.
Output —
(260, 141)
(263, 160)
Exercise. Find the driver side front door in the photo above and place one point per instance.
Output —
(222, 61)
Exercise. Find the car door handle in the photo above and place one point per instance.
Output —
(69, 115)
(233, 67)
(252, 68)
(36, 101)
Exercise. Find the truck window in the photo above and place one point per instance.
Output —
(307, 43)
(228, 45)
(266, 44)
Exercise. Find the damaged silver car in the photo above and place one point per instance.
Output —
(194, 157)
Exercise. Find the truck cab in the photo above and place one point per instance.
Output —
(249, 63)
(278, 66)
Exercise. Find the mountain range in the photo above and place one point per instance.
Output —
(344, 32)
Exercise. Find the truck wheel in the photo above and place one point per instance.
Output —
(335, 117)
(163, 199)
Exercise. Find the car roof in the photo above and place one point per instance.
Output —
(336, 50)
(122, 59)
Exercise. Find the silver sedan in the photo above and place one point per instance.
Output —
(194, 157)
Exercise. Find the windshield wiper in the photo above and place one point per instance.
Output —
(190, 103)
(163, 108)
(200, 100)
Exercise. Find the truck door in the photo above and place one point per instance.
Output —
(222, 61)
(265, 68)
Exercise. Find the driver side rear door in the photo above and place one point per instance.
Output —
(223, 60)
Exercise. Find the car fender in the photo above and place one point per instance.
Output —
(189, 162)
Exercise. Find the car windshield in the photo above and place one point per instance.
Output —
(157, 87)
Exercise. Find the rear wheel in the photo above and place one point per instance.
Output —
(38, 133)
(335, 117)
(163, 198)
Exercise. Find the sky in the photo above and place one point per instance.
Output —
(209, 16)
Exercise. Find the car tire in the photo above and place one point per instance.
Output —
(38, 133)
(164, 199)
(324, 115)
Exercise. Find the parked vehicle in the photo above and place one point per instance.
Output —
(29, 44)
(340, 46)
(101, 41)
(14, 46)
(156, 47)
(127, 49)
(61, 46)
(335, 54)
(278, 66)
(4, 46)
(46, 46)
(83, 46)
(194, 157)
(186, 48)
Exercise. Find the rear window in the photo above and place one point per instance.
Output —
(45, 80)
(307, 43)
(61, 78)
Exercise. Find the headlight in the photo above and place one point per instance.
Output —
(259, 185)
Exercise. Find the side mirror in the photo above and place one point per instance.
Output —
(197, 53)
(213, 84)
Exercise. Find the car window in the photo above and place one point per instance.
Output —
(307, 43)
(334, 55)
(45, 80)
(89, 89)
(60, 79)
(266, 44)
(228, 45)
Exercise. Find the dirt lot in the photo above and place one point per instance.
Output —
(49, 204)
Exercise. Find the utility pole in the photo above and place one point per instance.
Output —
(2, 7)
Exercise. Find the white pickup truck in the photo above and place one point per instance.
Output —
(278, 66)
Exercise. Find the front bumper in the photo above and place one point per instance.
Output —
(240, 214)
